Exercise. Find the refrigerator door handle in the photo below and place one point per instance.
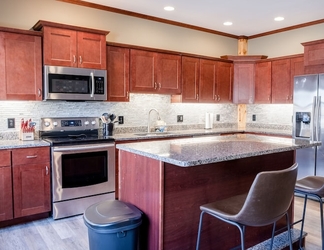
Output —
(318, 117)
(314, 117)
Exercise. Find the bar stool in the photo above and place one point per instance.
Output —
(311, 186)
(268, 199)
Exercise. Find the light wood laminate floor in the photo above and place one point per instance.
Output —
(71, 233)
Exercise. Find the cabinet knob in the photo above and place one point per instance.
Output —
(160, 85)
(80, 59)
(39, 92)
(218, 99)
(155, 85)
(197, 97)
(74, 59)
(46, 170)
(127, 94)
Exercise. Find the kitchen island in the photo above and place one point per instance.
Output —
(169, 180)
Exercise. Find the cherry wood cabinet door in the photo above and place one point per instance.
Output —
(6, 208)
(142, 72)
(262, 82)
(31, 181)
(243, 90)
(118, 74)
(60, 47)
(154, 73)
(190, 79)
(297, 68)
(224, 82)
(281, 81)
(168, 72)
(207, 81)
(70, 48)
(20, 67)
(91, 50)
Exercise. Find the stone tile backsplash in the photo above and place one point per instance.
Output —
(136, 111)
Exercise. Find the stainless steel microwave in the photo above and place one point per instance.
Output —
(74, 84)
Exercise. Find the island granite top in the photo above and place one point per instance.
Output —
(204, 150)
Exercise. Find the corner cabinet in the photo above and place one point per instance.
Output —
(20, 65)
(31, 181)
(118, 74)
(6, 208)
(154, 72)
(71, 46)
(244, 77)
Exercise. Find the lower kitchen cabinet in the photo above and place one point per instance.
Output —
(6, 212)
(31, 181)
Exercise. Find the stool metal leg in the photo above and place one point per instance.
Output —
(199, 229)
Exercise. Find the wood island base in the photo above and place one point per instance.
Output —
(170, 196)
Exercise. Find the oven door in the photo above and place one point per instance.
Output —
(82, 170)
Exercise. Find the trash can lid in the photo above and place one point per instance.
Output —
(112, 214)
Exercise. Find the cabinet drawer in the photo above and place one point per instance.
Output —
(5, 158)
(30, 155)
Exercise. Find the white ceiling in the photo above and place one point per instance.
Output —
(249, 17)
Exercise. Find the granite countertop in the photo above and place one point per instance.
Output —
(203, 150)
(10, 144)
(174, 134)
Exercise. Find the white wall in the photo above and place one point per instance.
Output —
(285, 43)
(123, 29)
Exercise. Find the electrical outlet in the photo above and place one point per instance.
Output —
(218, 117)
(120, 119)
(179, 118)
(11, 122)
(254, 118)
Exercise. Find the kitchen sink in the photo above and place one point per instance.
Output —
(153, 134)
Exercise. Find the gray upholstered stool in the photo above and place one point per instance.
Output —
(268, 200)
(311, 186)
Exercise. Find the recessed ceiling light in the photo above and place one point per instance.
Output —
(168, 8)
(279, 18)
(228, 23)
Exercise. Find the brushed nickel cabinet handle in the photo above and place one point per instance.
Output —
(39, 92)
(74, 59)
(80, 59)
(46, 170)
(31, 156)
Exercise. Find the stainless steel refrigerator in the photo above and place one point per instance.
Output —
(308, 122)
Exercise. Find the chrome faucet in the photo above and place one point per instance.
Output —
(148, 120)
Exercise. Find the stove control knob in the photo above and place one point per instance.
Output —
(93, 122)
(86, 123)
(55, 124)
(46, 124)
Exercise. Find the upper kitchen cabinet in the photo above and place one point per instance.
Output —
(262, 82)
(282, 75)
(190, 79)
(20, 65)
(71, 46)
(154, 72)
(314, 57)
(118, 74)
(244, 80)
(205, 81)
(215, 81)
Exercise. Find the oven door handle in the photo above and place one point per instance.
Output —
(82, 148)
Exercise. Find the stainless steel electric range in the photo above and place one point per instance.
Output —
(82, 163)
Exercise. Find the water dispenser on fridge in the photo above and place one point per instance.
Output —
(302, 126)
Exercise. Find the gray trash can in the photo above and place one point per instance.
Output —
(113, 225)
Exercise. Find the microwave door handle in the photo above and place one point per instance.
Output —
(92, 84)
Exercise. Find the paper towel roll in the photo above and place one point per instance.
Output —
(208, 120)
